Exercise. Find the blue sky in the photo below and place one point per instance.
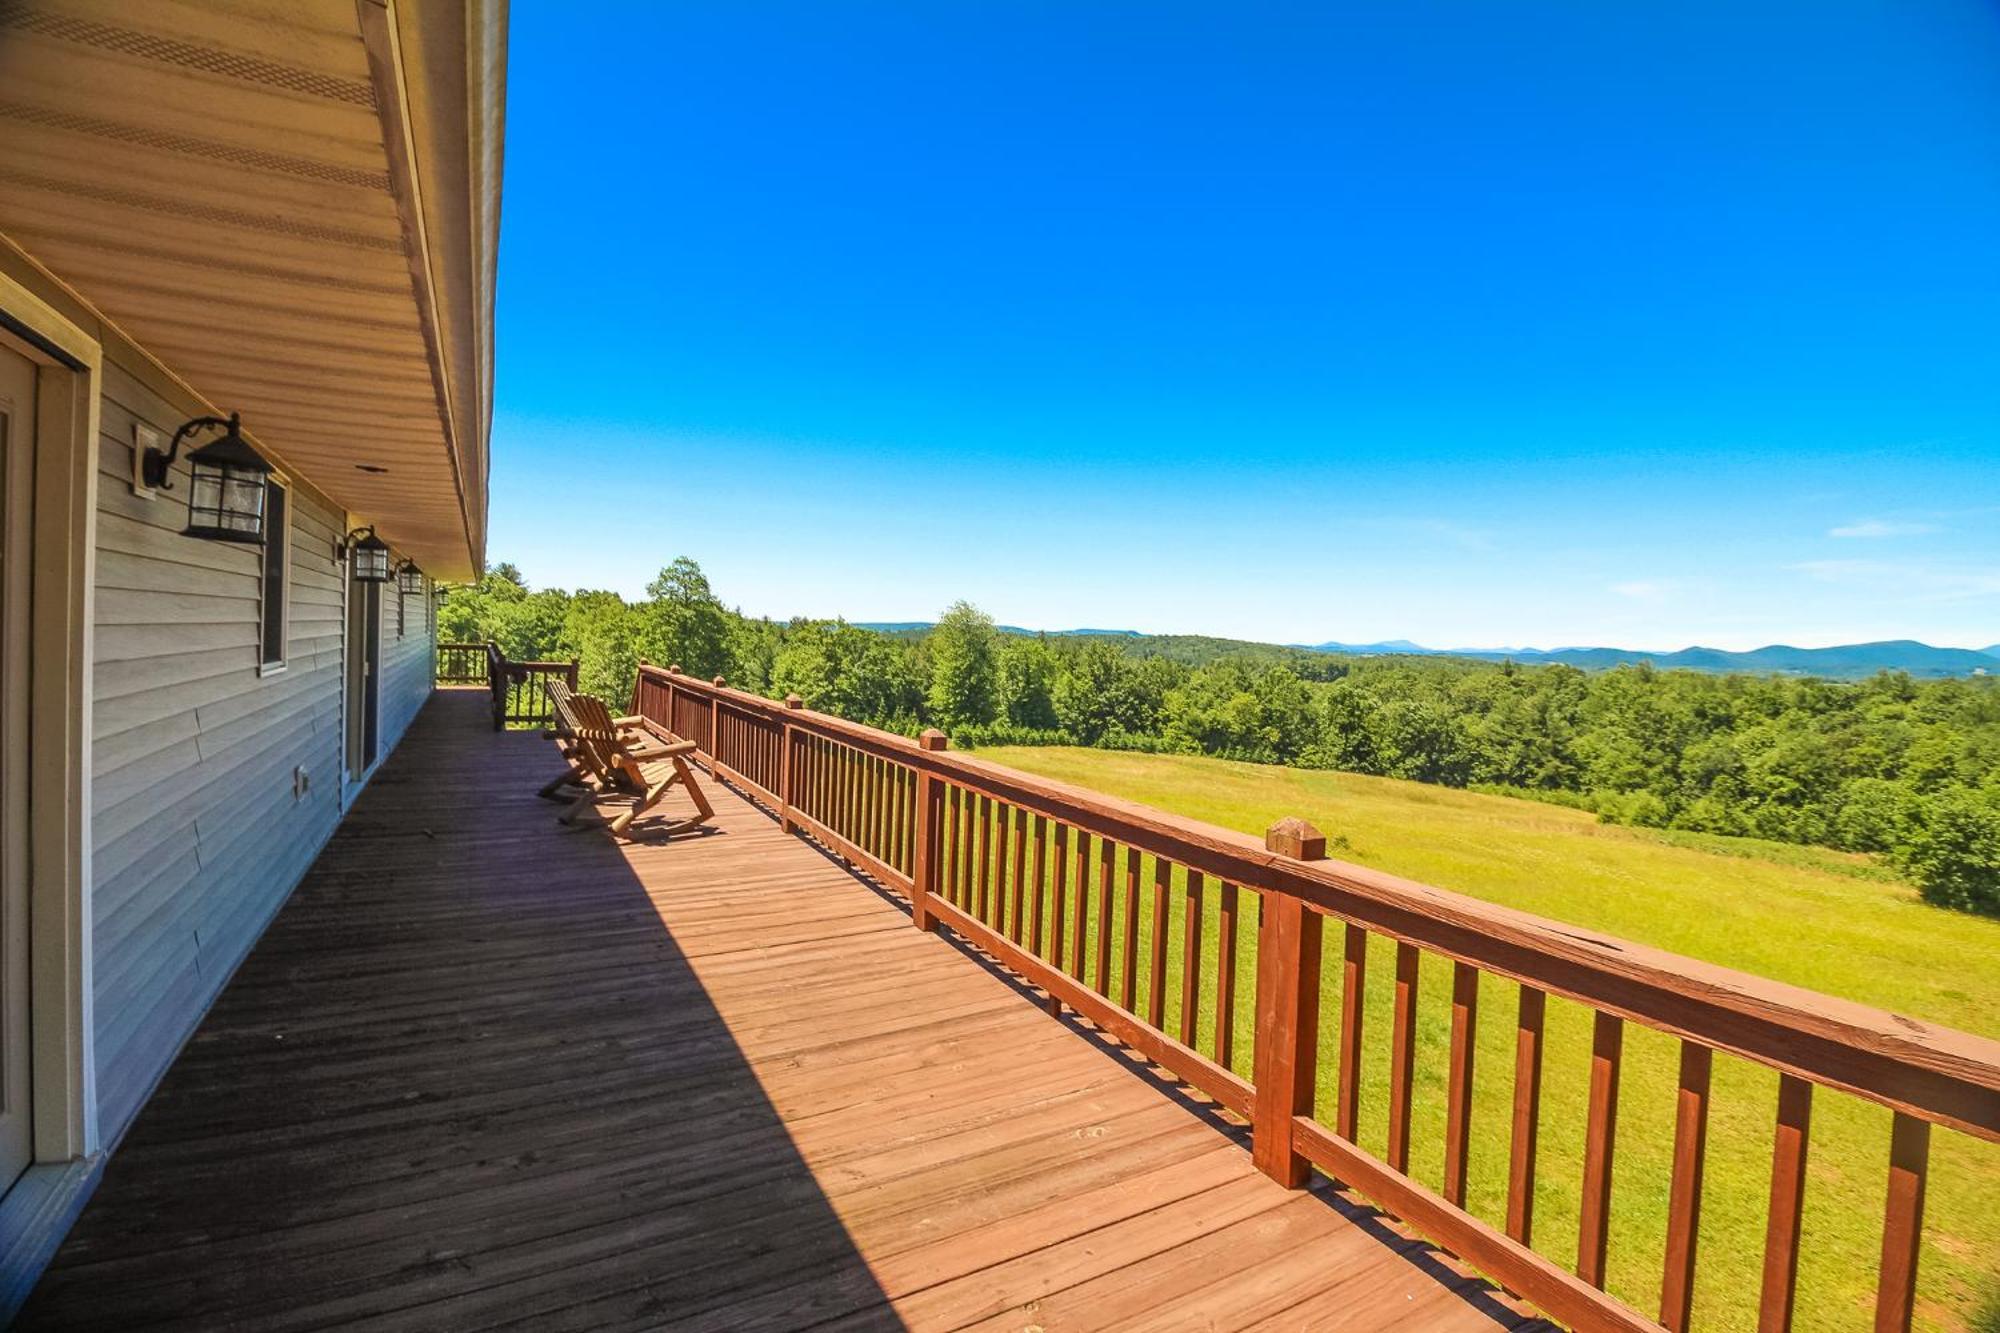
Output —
(1466, 323)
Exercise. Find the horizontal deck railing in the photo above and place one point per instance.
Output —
(519, 690)
(1028, 869)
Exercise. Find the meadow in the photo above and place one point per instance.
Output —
(1831, 921)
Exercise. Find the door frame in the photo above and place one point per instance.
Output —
(63, 541)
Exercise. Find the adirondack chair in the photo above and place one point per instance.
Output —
(643, 744)
(620, 769)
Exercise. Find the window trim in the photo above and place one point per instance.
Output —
(276, 665)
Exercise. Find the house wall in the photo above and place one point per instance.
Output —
(199, 835)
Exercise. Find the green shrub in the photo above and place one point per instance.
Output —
(1954, 851)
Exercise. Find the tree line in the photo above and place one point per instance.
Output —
(1890, 765)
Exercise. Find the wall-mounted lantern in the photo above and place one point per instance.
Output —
(368, 557)
(409, 579)
(225, 482)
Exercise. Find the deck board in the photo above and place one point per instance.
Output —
(484, 1072)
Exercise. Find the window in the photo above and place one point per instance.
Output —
(277, 556)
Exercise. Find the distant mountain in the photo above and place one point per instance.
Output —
(918, 626)
(1848, 661)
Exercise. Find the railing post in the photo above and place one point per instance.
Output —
(496, 683)
(930, 835)
(790, 739)
(673, 703)
(714, 724)
(1288, 940)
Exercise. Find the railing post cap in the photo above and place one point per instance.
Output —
(1294, 837)
(930, 738)
(793, 701)
(674, 669)
(719, 682)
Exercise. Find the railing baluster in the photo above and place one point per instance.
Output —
(1003, 815)
(1599, 1137)
(885, 811)
(1058, 892)
(870, 840)
(1106, 867)
(1903, 1223)
(1788, 1196)
(1353, 986)
(1225, 974)
(851, 794)
(954, 839)
(1156, 946)
(1079, 922)
(983, 875)
(1128, 953)
(1458, 1094)
(1018, 910)
(1403, 1055)
(1684, 1193)
(1527, 1115)
(1191, 957)
(1037, 886)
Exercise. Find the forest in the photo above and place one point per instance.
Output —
(1905, 769)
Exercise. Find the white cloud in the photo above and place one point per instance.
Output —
(1645, 590)
(1876, 527)
(1928, 582)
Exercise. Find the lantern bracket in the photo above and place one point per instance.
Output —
(157, 463)
(345, 546)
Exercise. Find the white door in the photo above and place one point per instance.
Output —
(17, 441)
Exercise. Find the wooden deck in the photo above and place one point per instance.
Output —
(485, 1072)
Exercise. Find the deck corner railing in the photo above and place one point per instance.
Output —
(518, 689)
(1052, 882)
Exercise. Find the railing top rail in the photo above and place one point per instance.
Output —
(1937, 1073)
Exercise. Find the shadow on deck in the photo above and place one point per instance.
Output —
(485, 1072)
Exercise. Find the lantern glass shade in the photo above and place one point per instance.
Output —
(371, 560)
(226, 487)
(410, 579)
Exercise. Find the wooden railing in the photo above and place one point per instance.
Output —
(1053, 882)
(518, 689)
(461, 664)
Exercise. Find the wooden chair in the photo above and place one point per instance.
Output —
(577, 776)
(619, 768)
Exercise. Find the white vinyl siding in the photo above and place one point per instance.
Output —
(198, 838)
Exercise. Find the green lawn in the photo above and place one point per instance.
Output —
(1820, 919)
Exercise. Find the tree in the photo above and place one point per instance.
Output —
(1101, 692)
(1026, 671)
(1954, 852)
(964, 684)
(851, 673)
(598, 632)
(683, 624)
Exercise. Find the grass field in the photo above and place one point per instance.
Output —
(1820, 919)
